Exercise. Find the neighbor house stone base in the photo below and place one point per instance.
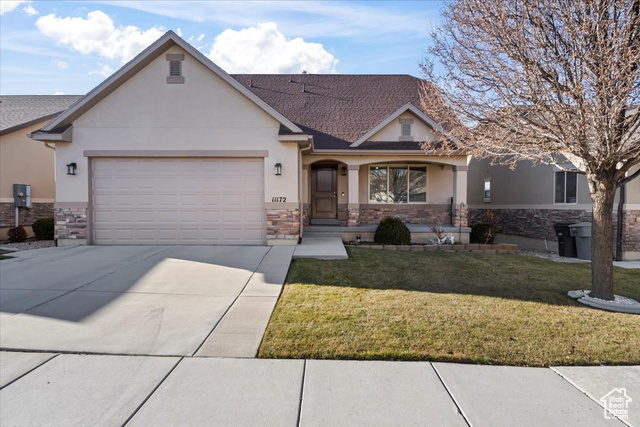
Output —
(71, 223)
(26, 216)
(284, 225)
(631, 234)
(533, 223)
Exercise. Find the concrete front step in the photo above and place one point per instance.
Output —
(321, 247)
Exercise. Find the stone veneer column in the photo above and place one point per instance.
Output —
(71, 222)
(283, 225)
(460, 196)
(353, 207)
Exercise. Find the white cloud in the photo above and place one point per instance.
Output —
(98, 35)
(179, 32)
(104, 71)
(58, 93)
(264, 49)
(60, 64)
(7, 6)
(30, 10)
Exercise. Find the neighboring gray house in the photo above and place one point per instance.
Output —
(526, 202)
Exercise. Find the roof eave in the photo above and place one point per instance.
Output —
(64, 136)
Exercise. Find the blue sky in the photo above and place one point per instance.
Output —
(50, 47)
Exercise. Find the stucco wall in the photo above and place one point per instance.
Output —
(25, 161)
(204, 113)
(527, 185)
(391, 132)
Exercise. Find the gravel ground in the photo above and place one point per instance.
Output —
(25, 246)
(550, 256)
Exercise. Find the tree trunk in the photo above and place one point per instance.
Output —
(602, 194)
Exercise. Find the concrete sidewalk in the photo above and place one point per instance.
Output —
(101, 390)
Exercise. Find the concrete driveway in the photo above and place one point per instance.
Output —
(141, 300)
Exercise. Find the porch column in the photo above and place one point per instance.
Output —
(353, 219)
(460, 196)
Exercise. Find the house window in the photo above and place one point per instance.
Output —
(566, 187)
(398, 184)
(487, 189)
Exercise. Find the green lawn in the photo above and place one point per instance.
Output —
(3, 254)
(458, 307)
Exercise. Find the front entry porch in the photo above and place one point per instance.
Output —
(361, 191)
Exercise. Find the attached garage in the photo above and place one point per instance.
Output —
(168, 201)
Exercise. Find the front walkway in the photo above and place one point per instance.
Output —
(101, 390)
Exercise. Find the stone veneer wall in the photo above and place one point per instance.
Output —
(343, 214)
(25, 216)
(306, 214)
(371, 215)
(71, 223)
(283, 224)
(533, 223)
(460, 217)
(631, 231)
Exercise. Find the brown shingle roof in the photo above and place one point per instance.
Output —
(336, 109)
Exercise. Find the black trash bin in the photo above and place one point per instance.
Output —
(566, 242)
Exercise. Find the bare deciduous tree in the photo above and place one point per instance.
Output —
(545, 81)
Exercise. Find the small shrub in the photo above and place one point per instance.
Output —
(17, 234)
(44, 229)
(483, 232)
(392, 231)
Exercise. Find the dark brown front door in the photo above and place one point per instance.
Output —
(323, 193)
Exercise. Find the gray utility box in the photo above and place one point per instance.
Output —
(21, 196)
(582, 233)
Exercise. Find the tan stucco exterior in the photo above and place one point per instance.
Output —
(25, 161)
(204, 113)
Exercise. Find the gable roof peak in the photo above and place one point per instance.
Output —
(140, 61)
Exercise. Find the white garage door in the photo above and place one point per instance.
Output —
(178, 201)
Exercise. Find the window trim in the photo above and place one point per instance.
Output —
(553, 195)
(484, 190)
(408, 166)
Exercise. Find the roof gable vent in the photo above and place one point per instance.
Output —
(175, 68)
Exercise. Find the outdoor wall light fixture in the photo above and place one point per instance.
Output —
(278, 168)
(71, 168)
(344, 171)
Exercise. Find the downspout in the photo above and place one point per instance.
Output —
(619, 231)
